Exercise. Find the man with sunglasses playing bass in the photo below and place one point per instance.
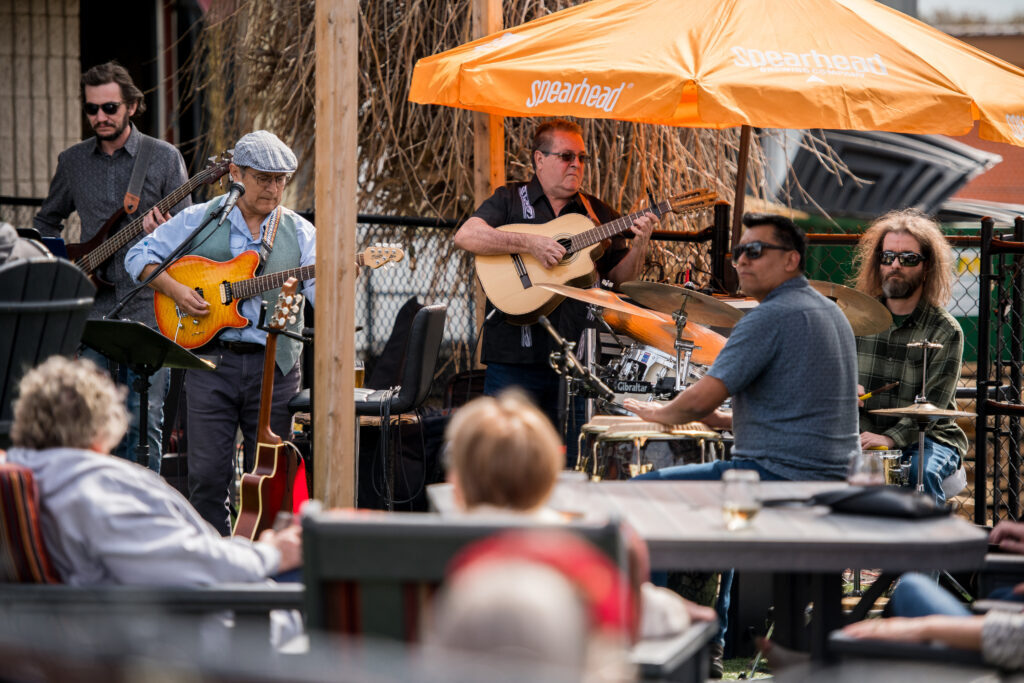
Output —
(907, 263)
(92, 178)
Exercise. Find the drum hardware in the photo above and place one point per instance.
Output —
(921, 411)
(866, 314)
(684, 347)
(564, 362)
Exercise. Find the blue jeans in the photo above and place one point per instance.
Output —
(918, 595)
(712, 471)
(542, 384)
(155, 417)
(940, 461)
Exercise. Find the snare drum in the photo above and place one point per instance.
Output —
(625, 450)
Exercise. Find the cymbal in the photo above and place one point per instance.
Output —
(922, 410)
(866, 314)
(702, 308)
(662, 334)
(602, 298)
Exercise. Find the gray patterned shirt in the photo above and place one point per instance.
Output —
(790, 365)
(93, 184)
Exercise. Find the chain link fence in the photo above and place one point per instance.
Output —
(1001, 322)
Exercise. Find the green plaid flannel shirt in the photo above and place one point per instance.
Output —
(884, 358)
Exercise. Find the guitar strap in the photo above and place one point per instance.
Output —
(134, 192)
(589, 208)
(269, 235)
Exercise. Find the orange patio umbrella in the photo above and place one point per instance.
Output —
(844, 64)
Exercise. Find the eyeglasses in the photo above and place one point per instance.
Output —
(567, 157)
(264, 180)
(907, 258)
(754, 250)
(109, 108)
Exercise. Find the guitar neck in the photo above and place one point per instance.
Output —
(243, 289)
(611, 228)
(265, 436)
(133, 229)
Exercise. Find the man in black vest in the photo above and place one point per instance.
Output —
(92, 178)
(518, 355)
(228, 399)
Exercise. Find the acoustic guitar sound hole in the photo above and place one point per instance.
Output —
(567, 245)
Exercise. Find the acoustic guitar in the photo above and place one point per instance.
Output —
(509, 280)
(89, 256)
(225, 284)
(267, 490)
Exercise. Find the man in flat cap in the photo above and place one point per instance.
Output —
(228, 398)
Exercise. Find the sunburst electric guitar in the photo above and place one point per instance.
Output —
(510, 280)
(267, 490)
(224, 284)
(89, 256)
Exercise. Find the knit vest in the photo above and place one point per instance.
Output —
(285, 255)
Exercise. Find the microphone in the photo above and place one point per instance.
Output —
(236, 191)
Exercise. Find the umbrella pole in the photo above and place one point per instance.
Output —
(741, 184)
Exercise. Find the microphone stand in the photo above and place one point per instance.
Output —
(163, 265)
(566, 362)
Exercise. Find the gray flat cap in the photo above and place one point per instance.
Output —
(263, 151)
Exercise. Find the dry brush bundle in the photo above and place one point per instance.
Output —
(256, 66)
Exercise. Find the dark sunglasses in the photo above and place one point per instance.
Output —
(109, 108)
(754, 250)
(907, 258)
(567, 157)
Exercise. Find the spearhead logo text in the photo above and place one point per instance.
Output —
(583, 93)
(809, 62)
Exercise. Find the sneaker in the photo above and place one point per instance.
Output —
(715, 655)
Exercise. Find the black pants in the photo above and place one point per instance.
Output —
(220, 402)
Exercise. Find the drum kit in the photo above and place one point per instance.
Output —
(674, 335)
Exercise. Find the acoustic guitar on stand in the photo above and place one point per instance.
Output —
(89, 256)
(267, 490)
(509, 279)
(224, 284)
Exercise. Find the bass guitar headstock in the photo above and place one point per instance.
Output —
(217, 167)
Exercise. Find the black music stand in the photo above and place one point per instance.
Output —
(145, 351)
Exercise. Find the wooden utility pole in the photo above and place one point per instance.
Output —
(488, 138)
(337, 97)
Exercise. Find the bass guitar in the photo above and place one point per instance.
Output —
(267, 490)
(89, 256)
(509, 280)
(224, 284)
